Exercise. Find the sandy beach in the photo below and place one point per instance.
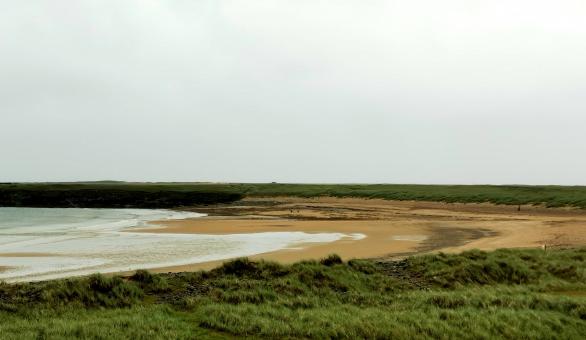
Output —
(288, 229)
(392, 229)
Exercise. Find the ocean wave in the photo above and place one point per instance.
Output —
(105, 242)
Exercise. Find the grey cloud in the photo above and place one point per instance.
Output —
(298, 91)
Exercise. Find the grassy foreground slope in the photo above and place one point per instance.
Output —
(473, 295)
(181, 194)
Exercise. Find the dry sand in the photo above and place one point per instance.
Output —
(393, 229)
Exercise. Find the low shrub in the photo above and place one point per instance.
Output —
(95, 291)
(150, 282)
(331, 260)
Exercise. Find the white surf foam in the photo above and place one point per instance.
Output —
(101, 240)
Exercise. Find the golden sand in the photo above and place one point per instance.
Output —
(392, 228)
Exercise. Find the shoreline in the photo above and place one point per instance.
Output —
(379, 234)
(393, 229)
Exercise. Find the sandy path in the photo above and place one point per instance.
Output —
(392, 228)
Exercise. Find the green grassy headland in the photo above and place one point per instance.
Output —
(166, 195)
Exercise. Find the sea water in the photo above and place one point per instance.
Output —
(40, 244)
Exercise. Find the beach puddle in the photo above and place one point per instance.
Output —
(411, 238)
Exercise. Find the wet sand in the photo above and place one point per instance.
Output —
(392, 229)
(5, 268)
(380, 237)
(26, 254)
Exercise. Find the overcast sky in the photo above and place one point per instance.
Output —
(418, 91)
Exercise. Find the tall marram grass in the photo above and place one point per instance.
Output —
(504, 266)
(502, 294)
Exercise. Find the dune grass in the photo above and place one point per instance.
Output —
(139, 322)
(551, 196)
(501, 294)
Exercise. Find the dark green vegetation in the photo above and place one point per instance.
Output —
(473, 295)
(165, 195)
(109, 196)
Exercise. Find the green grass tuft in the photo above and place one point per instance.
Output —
(475, 294)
